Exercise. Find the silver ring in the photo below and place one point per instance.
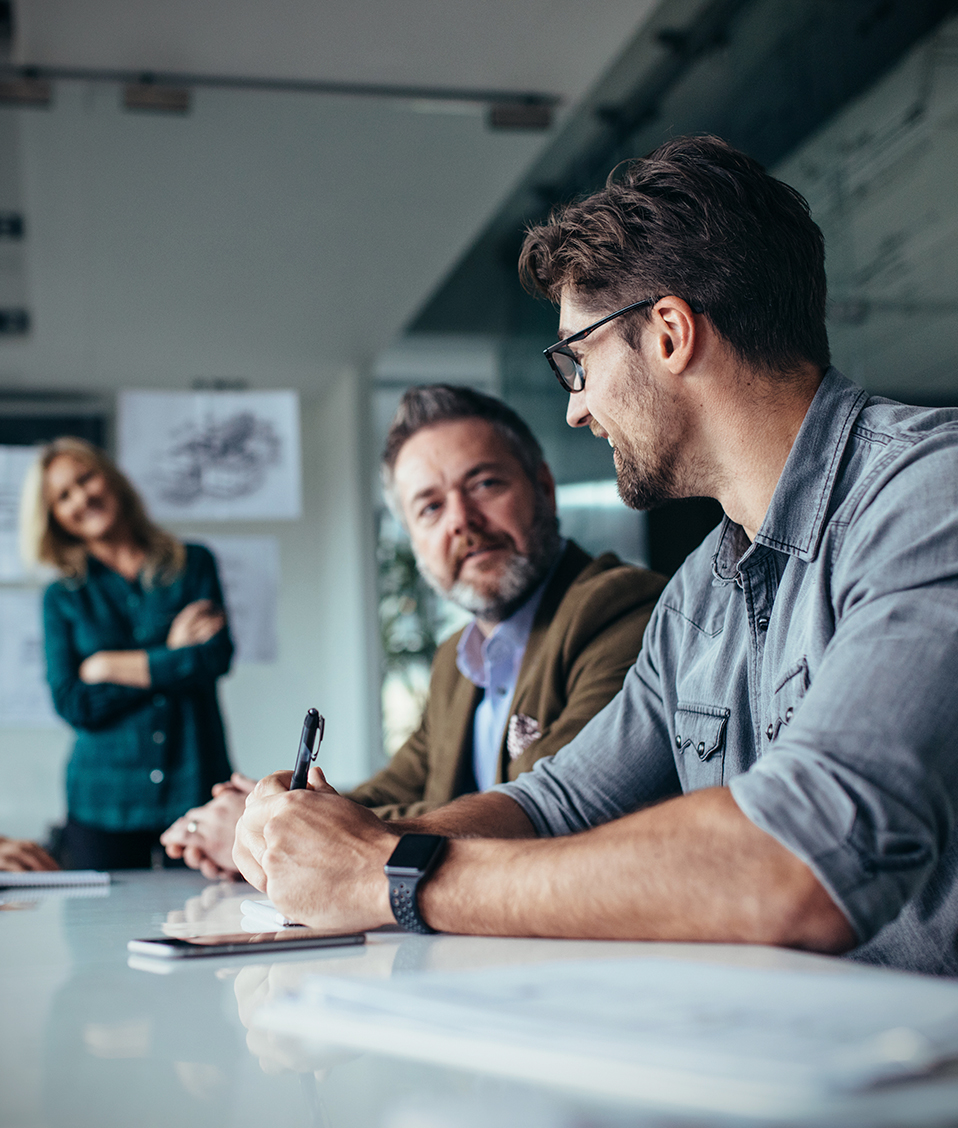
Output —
(192, 826)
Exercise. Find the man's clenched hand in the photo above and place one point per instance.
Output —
(317, 856)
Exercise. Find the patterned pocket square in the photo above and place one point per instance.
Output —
(523, 733)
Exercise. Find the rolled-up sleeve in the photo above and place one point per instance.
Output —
(621, 760)
(861, 785)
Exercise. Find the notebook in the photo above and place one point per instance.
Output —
(40, 878)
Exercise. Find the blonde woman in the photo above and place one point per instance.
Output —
(135, 639)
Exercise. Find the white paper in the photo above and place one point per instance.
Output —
(249, 572)
(24, 694)
(14, 463)
(221, 456)
(731, 1039)
(263, 916)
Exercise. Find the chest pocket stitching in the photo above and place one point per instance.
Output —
(786, 698)
(800, 667)
(708, 724)
(692, 623)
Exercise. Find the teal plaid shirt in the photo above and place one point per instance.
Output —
(142, 756)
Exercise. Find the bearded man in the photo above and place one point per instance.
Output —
(554, 632)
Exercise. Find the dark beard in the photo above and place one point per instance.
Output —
(522, 575)
(656, 482)
(645, 489)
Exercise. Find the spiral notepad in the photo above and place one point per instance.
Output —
(45, 878)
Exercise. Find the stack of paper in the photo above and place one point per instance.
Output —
(729, 1039)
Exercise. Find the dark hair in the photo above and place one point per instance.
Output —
(429, 404)
(700, 220)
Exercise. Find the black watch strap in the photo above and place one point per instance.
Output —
(411, 862)
(405, 906)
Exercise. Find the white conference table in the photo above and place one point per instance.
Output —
(88, 1042)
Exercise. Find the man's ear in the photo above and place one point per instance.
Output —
(546, 482)
(673, 323)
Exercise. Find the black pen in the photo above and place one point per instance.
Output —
(313, 724)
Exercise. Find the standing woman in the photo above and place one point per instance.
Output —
(135, 639)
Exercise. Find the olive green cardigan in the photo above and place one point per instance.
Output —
(586, 634)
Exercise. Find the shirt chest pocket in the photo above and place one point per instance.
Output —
(700, 732)
(788, 695)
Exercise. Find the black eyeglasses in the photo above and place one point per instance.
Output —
(568, 370)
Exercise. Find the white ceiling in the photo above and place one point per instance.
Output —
(276, 237)
(552, 46)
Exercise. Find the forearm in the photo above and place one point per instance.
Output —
(690, 869)
(486, 815)
(185, 667)
(118, 667)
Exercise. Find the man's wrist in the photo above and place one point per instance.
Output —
(379, 903)
(411, 864)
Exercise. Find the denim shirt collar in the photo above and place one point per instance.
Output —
(796, 515)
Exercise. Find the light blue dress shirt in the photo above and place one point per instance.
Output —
(813, 672)
(492, 663)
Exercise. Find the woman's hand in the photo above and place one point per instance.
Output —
(203, 837)
(21, 854)
(195, 624)
(120, 667)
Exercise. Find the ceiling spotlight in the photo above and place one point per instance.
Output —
(157, 98)
(25, 92)
(519, 115)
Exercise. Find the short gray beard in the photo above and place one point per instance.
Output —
(522, 575)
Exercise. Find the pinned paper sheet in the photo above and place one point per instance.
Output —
(14, 463)
(248, 567)
(220, 456)
(736, 1040)
(24, 695)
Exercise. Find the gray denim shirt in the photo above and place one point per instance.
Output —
(814, 672)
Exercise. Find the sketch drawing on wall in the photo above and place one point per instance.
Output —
(198, 456)
(221, 459)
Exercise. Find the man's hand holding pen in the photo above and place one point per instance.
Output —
(282, 836)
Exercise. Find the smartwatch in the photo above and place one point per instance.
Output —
(413, 860)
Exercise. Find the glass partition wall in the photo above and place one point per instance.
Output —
(879, 174)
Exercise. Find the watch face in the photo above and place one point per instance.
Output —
(415, 852)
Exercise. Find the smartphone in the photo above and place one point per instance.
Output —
(183, 948)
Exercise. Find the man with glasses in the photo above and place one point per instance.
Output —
(781, 765)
